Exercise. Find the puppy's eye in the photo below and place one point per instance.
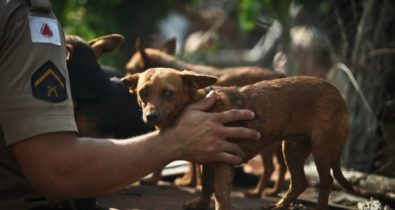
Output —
(143, 93)
(168, 93)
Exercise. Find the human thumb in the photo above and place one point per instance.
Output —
(206, 102)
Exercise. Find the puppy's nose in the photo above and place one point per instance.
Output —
(152, 117)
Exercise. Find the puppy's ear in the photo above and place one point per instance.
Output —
(169, 47)
(198, 80)
(69, 52)
(131, 81)
(140, 49)
(106, 44)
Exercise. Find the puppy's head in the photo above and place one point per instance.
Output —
(163, 93)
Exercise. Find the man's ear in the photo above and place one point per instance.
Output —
(131, 81)
(169, 47)
(106, 44)
(140, 49)
(198, 80)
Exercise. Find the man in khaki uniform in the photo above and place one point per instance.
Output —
(35, 95)
(41, 156)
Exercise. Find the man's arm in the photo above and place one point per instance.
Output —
(62, 166)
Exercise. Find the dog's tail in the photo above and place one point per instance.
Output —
(338, 174)
(348, 186)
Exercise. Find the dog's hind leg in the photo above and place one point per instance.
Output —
(295, 154)
(326, 180)
(326, 147)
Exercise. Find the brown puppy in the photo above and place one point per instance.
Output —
(307, 112)
(235, 76)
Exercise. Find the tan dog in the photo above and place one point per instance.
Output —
(235, 76)
(307, 112)
(164, 57)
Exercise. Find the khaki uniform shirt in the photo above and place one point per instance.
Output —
(34, 90)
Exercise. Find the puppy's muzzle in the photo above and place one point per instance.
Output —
(152, 118)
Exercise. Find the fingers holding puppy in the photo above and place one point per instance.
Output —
(204, 135)
(227, 158)
(235, 115)
(240, 133)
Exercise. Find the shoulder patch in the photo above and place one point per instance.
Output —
(44, 30)
(49, 84)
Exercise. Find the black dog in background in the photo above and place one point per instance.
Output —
(103, 105)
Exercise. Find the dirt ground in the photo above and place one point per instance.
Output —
(166, 196)
(169, 197)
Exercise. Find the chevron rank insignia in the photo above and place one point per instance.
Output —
(49, 84)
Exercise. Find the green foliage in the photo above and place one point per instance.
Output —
(93, 18)
(248, 13)
(249, 10)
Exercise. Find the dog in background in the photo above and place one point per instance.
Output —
(307, 113)
(146, 58)
(103, 106)
(102, 103)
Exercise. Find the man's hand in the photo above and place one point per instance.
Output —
(203, 135)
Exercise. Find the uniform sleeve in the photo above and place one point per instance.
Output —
(35, 93)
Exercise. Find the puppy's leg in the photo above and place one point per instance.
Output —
(268, 168)
(281, 170)
(153, 180)
(295, 154)
(223, 175)
(207, 190)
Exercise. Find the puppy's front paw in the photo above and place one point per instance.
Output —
(196, 204)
